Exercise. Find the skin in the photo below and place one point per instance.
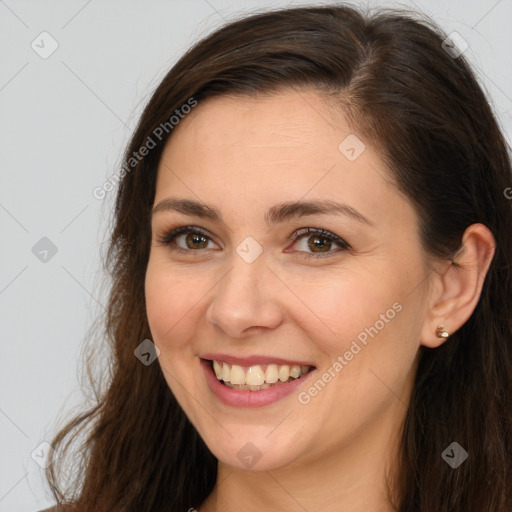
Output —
(244, 155)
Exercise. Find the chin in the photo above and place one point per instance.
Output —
(251, 449)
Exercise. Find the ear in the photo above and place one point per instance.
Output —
(455, 292)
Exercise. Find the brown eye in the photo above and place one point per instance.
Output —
(186, 239)
(196, 241)
(317, 243)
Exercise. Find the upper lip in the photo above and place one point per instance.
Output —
(253, 360)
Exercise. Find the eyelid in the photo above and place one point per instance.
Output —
(169, 236)
(301, 232)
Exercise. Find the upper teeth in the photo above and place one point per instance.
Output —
(258, 374)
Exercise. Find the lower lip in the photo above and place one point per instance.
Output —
(247, 398)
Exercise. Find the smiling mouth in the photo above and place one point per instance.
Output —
(257, 377)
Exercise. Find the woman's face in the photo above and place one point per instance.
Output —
(349, 302)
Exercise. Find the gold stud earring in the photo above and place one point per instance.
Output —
(441, 332)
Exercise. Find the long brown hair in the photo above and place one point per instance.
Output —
(424, 110)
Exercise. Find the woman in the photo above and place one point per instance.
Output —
(311, 291)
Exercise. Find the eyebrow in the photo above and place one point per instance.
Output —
(278, 213)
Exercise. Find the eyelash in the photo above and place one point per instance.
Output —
(170, 236)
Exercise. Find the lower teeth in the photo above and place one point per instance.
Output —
(245, 387)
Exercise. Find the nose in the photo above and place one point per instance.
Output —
(246, 300)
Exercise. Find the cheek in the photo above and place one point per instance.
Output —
(171, 305)
(338, 308)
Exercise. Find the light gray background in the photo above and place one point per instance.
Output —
(64, 121)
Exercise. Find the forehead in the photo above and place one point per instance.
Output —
(267, 149)
(275, 122)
